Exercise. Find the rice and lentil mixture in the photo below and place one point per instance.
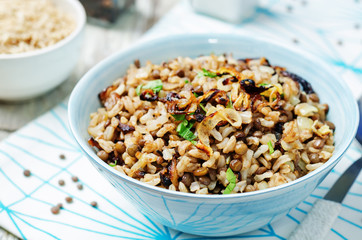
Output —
(28, 25)
(211, 125)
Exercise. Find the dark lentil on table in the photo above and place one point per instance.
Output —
(62, 156)
(61, 182)
(80, 186)
(94, 204)
(60, 205)
(69, 199)
(75, 179)
(27, 173)
(55, 210)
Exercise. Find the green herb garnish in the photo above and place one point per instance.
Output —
(187, 81)
(291, 165)
(282, 96)
(227, 161)
(193, 142)
(195, 94)
(179, 117)
(184, 130)
(230, 103)
(270, 146)
(138, 89)
(264, 84)
(230, 176)
(155, 86)
(113, 164)
(203, 107)
(207, 73)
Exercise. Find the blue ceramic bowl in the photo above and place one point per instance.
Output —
(216, 215)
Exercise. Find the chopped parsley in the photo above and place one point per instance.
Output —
(264, 84)
(179, 117)
(113, 164)
(195, 94)
(138, 89)
(207, 73)
(203, 107)
(184, 130)
(270, 146)
(187, 81)
(230, 176)
(155, 86)
(230, 103)
(227, 160)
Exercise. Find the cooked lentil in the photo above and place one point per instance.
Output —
(200, 117)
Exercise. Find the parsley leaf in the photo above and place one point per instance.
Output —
(138, 89)
(195, 94)
(155, 86)
(203, 107)
(179, 117)
(187, 81)
(230, 103)
(113, 164)
(270, 146)
(207, 73)
(264, 84)
(184, 130)
(230, 176)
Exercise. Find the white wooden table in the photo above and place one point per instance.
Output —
(99, 42)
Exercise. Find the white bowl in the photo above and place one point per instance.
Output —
(215, 215)
(29, 74)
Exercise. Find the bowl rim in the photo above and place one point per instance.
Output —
(205, 36)
(80, 21)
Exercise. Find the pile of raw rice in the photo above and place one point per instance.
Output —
(28, 25)
(212, 125)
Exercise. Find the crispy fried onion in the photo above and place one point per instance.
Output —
(214, 117)
(230, 70)
(183, 103)
(249, 86)
(186, 102)
(219, 96)
(148, 95)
